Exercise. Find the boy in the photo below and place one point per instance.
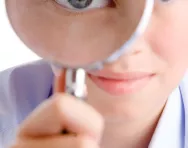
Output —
(138, 101)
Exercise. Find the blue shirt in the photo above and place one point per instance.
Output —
(23, 88)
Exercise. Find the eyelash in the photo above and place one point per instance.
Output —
(165, 0)
(96, 4)
(113, 3)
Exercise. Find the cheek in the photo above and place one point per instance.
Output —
(170, 42)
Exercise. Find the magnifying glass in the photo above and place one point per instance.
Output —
(137, 18)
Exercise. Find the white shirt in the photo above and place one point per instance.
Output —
(169, 132)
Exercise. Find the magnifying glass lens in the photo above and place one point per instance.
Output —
(98, 48)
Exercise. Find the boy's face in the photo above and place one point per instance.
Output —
(47, 27)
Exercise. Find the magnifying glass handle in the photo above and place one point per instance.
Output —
(75, 82)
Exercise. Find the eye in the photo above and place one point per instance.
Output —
(80, 5)
(165, 1)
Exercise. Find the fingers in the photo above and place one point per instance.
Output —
(63, 112)
(56, 142)
(44, 125)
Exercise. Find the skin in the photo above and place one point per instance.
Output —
(129, 120)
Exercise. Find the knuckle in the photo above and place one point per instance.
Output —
(57, 97)
(60, 103)
(62, 99)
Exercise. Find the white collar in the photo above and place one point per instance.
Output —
(170, 129)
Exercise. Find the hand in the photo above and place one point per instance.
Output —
(43, 128)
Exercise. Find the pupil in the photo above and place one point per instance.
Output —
(80, 4)
(165, 0)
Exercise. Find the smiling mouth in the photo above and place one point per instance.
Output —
(119, 84)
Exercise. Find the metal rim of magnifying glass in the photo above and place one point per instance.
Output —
(144, 21)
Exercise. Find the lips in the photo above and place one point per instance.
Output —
(121, 83)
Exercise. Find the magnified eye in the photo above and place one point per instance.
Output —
(165, 0)
(83, 4)
(80, 4)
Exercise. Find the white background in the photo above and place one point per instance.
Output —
(12, 51)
